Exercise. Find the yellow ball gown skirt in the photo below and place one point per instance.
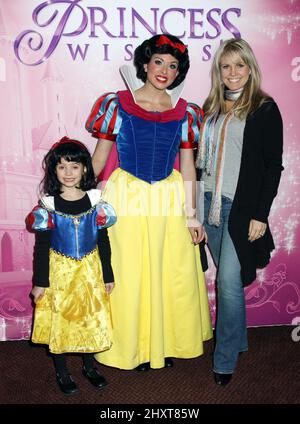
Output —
(73, 315)
(159, 304)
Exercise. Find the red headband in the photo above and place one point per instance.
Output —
(165, 40)
(66, 140)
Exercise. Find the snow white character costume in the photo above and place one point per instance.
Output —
(159, 305)
(73, 315)
(72, 263)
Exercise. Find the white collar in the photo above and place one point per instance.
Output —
(95, 196)
(133, 83)
(47, 202)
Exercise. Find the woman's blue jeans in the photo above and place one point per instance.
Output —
(231, 326)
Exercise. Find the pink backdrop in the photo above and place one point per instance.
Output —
(52, 68)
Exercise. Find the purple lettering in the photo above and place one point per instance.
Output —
(213, 23)
(207, 52)
(136, 16)
(106, 52)
(129, 50)
(59, 31)
(122, 26)
(69, 18)
(101, 23)
(162, 21)
(228, 25)
(194, 22)
(78, 50)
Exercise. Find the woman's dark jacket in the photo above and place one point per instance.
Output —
(260, 171)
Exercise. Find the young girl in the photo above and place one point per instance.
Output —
(160, 306)
(72, 307)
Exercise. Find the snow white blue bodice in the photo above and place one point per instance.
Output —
(143, 137)
(144, 147)
(73, 236)
(76, 236)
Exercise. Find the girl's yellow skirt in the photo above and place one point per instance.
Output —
(159, 304)
(73, 315)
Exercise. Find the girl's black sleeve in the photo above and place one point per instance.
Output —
(41, 259)
(105, 256)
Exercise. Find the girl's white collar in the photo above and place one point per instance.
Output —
(95, 196)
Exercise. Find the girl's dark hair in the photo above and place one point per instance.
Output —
(148, 48)
(71, 151)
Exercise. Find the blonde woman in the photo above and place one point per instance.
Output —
(240, 155)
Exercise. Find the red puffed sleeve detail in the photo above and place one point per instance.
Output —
(39, 219)
(191, 126)
(106, 215)
(104, 120)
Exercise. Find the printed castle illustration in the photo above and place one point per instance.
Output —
(29, 124)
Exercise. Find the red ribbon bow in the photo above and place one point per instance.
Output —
(165, 40)
(66, 140)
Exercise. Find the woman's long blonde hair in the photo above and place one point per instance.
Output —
(252, 96)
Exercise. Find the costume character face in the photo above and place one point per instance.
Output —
(161, 70)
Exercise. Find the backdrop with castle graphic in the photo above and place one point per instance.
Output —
(56, 57)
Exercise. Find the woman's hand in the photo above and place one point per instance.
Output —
(256, 230)
(188, 171)
(109, 287)
(196, 230)
(37, 293)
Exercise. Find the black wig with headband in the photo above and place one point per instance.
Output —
(162, 44)
(72, 151)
